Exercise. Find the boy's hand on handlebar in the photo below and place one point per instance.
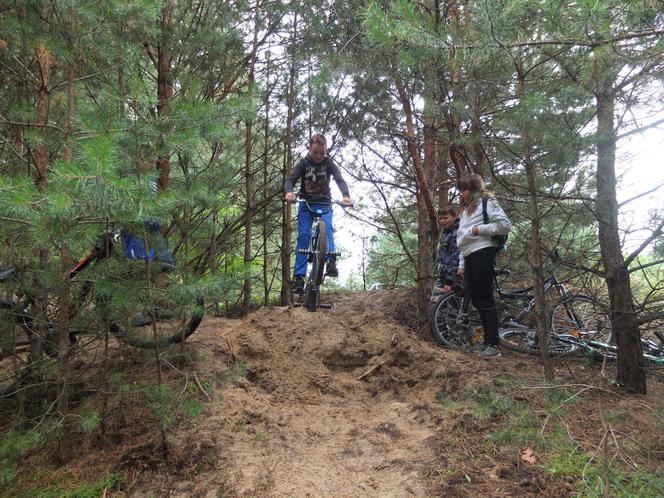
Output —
(346, 202)
(290, 197)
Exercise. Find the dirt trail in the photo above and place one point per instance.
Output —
(303, 423)
(343, 402)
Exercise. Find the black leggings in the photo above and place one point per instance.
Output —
(478, 282)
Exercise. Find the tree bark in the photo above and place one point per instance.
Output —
(64, 442)
(69, 129)
(45, 63)
(286, 229)
(165, 89)
(427, 221)
(541, 322)
(249, 180)
(631, 374)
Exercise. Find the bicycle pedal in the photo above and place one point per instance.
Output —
(325, 306)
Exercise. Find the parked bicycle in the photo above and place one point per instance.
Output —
(570, 328)
(455, 321)
(143, 303)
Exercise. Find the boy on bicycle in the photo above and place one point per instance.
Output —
(448, 252)
(314, 171)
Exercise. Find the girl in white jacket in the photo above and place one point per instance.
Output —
(477, 260)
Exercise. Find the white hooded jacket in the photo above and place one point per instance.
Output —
(498, 224)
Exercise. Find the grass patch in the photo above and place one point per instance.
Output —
(446, 402)
(108, 482)
(484, 403)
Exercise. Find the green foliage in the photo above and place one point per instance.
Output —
(12, 447)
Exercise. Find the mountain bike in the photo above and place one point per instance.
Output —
(143, 303)
(455, 321)
(571, 324)
(316, 252)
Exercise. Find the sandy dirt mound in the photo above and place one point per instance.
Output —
(351, 402)
(346, 402)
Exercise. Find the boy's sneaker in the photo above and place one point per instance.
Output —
(298, 285)
(490, 352)
(478, 347)
(331, 269)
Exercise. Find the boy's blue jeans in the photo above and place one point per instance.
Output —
(304, 222)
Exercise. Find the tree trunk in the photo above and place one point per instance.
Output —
(427, 220)
(631, 373)
(541, 322)
(164, 89)
(286, 229)
(69, 129)
(64, 443)
(249, 181)
(44, 62)
(266, 164)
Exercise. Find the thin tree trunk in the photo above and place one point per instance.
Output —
(69, 138)
(266, 163)
(286, 229)
(64, 443)
(631, 373)
(44, 62)
(165, 89)
(541, 323)
(249, 179)
(427, 222)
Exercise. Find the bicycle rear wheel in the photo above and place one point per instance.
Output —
(451, 325)
(524, 340)
(153, 309)
(582, 317)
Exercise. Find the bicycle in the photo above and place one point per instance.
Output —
(158, 313)
(568, 326)
(456, 323)
(317, 252)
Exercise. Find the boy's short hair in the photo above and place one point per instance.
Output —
(448, 209)
(318, 138)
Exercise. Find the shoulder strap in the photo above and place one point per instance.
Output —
(484, 213)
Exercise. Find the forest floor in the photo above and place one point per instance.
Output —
(351, 402)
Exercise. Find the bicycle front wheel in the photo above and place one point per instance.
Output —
(582, 317)
(318, 267)
(452, 325)
(524, 340)
(156, 308)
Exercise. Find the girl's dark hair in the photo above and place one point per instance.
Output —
(318, 138)
(448, 209)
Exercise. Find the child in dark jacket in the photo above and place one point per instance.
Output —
(448, 253)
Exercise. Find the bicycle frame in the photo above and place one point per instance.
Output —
(316, 255)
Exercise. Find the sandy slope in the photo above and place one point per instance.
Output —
(344, 403)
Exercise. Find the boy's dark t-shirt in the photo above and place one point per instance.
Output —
(315, 179)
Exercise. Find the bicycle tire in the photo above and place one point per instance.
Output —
(451, 326)
(582, 317)
(321, 252)
(160, 314)
(524, 340)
